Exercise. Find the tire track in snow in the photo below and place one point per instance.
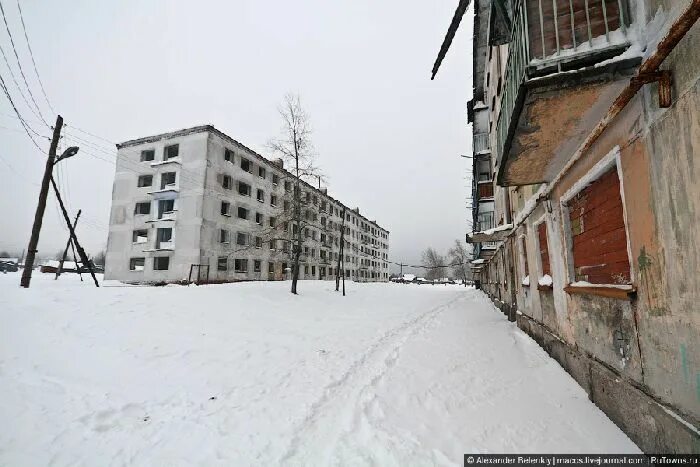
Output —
(333, 412)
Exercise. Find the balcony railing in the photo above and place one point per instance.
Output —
(549, 36)
(481, 143)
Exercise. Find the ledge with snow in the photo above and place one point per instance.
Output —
(495, 234)
(619, 291)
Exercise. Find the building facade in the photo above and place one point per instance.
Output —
(196, 204)
(586, 119)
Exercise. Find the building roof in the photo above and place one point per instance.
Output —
(211, 129)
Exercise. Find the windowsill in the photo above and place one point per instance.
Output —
(172, 188)
(173, 160)
(139, 243)
(604, 290)
(544, 288)
(226, 215)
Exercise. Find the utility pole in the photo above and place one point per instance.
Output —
(68, 244)
(41, 206)
(83, 257)
(342, 249)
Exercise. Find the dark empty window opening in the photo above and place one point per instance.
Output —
(142, 208)
(167, 180)
(137, 264)
(161, 263)
(145, 180)
(245, 165)
(171, 152)
(148, 155)
(242, 213)
(228, 155)
(244, 189)
(544, 248)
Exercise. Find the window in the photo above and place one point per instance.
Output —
(222, 263)
(260, 196)
(273, 200)
(246, 165)
(285, 205)
(240, 265)
(228, 155)
(306, 269)
(167, 179)
(257, 265)
(258, 218)
(275, 179)
(261, 172)
(226, 182)
(273, 221)
(244, 189)
(148, 155)
(164, 237)
(287, 185)
(140, 236)
(313, 271)
(523, 256)
(315, 200)
(258, 242)
(172, 151)
(225, 208)
(544, 248)
(142, 208)
(224, 236)
(242, 239)
(242, 213)
(137, 264)
(483, 170)
(145, 180)
(598, 235)
(161, 263)
(272, 245)
(165, 206)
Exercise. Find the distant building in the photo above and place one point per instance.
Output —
(197, 203)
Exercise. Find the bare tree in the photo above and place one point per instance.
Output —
(434, 264)
(459, 258)
(295, 148)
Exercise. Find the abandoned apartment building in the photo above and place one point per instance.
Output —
(195, 204)
(586, 201)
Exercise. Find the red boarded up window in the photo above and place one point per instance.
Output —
(544, 248)
(598, 232)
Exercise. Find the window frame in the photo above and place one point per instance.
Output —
(133, 267)
(156, 259)
(152, 152)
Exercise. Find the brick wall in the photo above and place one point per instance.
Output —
(598, 232)
(544, 248)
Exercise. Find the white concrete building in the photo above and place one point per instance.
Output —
(197, 203)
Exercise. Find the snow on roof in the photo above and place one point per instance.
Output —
(493, 230)
(408, 277)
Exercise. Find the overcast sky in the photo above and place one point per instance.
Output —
(387, 137)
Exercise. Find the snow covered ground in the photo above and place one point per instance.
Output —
(248, 374)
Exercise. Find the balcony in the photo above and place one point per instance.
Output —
(485, 189)
(481, 143)
(564, 61)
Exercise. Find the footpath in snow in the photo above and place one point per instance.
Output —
(247, 374)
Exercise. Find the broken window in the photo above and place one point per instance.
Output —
(167, 180)
(242, 239)
(224, 236)
(222, 263)
(240, 265)
(597, 227)
(148, 155)
(225, 208)
(137, 264)
(172, 151)
(246, 165)
(145, 180)
(140, 236)
(244, 189)
(161, 263)
(142, 208)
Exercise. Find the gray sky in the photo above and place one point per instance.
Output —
(387, 137)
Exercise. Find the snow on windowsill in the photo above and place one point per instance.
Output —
(493, 230)
(167, 189)
(174, 160)
(526, 281)
(627, 287)
(545, 281)
(479, 261)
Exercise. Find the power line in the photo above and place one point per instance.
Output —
(24, 124)
(31, 54)
(19, 63)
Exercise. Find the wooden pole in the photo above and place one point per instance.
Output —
(75, 260)
(81, 252)
(41, 206)
(68, 244)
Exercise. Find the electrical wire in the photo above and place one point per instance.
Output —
(25, 125)
(19, 63)
(31, 54)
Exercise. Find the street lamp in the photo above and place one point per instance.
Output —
(70, 152)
